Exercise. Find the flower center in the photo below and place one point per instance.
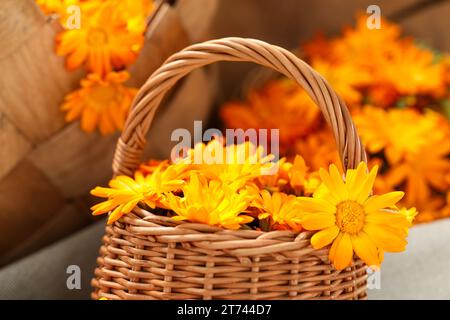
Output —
(101, 96)
(97, 37)
(350, 216)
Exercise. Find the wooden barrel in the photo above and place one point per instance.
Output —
(48, 166)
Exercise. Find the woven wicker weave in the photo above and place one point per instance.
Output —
(146, 256)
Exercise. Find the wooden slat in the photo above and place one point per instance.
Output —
(13, 146)
(165, 36)
(66, 221)
(197, 22)
(27, 201)
(34, 80)
(430, 26)
(75, 161)
(47, 163)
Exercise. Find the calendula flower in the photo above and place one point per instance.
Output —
(150, 166)
(291, 177)
(103, 41)
(345, 78)
(135, 13)
(125, 193)
(410, 213)
(413, 71)
(300, 179)
(52, 6)
(346, 215)
(433, 209)
(278, 105)
(100, 102)
(419, 177)
(211, 202)
(318, 149)
(366, 46)
(281, 209)
(397, 132)
(230, 164)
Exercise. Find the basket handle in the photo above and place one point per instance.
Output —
(130, 145)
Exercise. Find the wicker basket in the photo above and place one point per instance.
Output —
(47, 165)
(146, 256)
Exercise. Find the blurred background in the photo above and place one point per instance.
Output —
(48, 166)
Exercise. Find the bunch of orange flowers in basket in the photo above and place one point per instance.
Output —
(242, 187)
(398, 92)
(104, 37)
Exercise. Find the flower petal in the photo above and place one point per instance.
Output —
(310, 205)
(383, 201)
(344, 253)
(324, 237)
(384, 239)
(367, 186)
(388, 218)
(365, 249)
(334, 246)
(318, 221)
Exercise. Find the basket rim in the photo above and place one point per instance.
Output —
(150, 227)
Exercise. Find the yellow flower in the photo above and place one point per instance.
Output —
(124, 193)
(280, 208)
(210, 202)
(102, 103)
(410, 214)
(103, 41)
(345, 214)
(230, 164)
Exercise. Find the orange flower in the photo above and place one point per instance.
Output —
(318, 149)
(281, 209)
(280, 105)
(53, 6)
(102, 103)
(422, 172)
(345, 78)
(412, 71)
(365, 47)
(104, 40)
(398, 132)
(292, 178)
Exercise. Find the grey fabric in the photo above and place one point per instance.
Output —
(422, 272)
(42, 275)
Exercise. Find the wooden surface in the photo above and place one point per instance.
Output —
(48, 166)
